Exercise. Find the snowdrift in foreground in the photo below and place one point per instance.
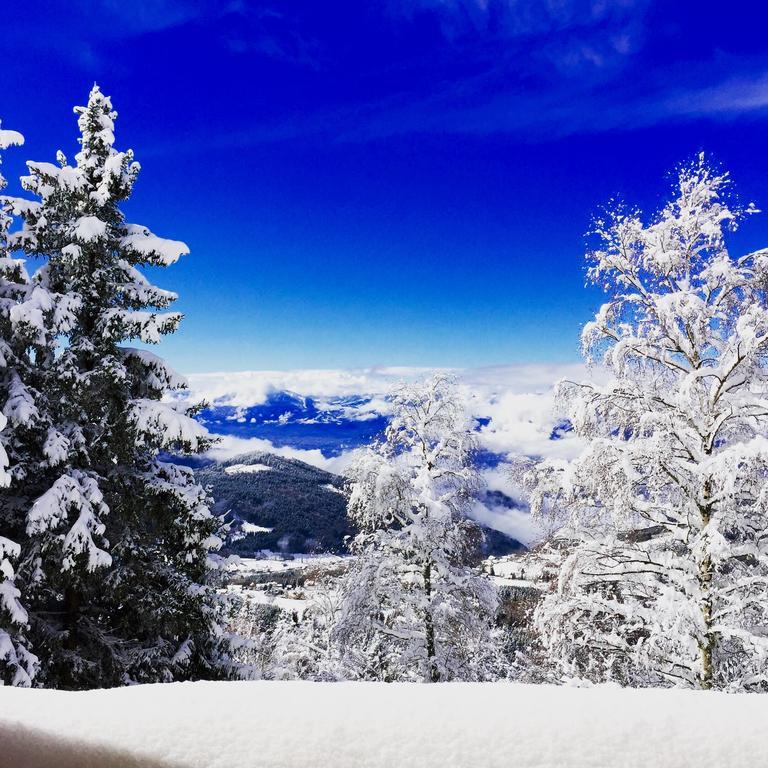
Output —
(351, 725)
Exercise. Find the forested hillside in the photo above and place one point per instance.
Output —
(303, 507)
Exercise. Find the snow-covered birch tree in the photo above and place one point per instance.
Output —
(665, 514)
(304, 644)
(121, 541)
(411, 608)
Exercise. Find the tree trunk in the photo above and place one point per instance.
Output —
(72, 608)
(707, 644)
(434, 672)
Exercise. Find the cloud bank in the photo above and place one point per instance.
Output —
(514, 403)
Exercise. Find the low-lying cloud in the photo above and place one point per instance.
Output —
(515, 404)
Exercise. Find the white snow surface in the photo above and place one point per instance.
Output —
(158, 250)
(89, 228)
(378, 725)
(10, 138)
(251, 528)
(244, 469)
(277, 563)
(289, 604)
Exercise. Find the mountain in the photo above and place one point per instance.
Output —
(331, 425)
(286, 505)
(279, 504)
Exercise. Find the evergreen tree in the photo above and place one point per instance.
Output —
(665, 576)
(17, 662)
(120, 546)
(411, 608)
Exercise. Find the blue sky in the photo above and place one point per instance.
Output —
(393, 182)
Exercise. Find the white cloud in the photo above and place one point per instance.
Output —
(246, 388)
(516, 398)
(733, 96)
(514, 19)
(229, 446)
(516, 523)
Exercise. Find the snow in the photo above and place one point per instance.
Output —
(251, 528)
(158, 373)
(20, 407)
(276, 563)
(361, 725)
(9, 593)
(55, 447)
(160, 419)
(10, 138)
(155, 250)
(88, 228)
(244, 469)
(31, 311)
(67, 177)
(149, 327)
(79, 492)
(288, 604)
(501, 581)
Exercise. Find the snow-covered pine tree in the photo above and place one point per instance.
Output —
(411, 608)
(17, 662)
(666, 512)
(121, 541)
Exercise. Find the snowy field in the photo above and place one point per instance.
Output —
(274, 563)
(286, 597)
(354, 725)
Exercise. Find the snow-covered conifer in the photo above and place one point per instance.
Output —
(17, 662)
(411, 608)
(120, 539)
(665, 514)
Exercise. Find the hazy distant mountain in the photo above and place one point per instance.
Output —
(332, 425)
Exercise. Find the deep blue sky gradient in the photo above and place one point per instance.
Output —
(395, 182)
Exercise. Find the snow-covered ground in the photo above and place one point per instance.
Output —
(356, 725)
(274, 563)
(245, 469)
(292, 605)
(258, 574)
